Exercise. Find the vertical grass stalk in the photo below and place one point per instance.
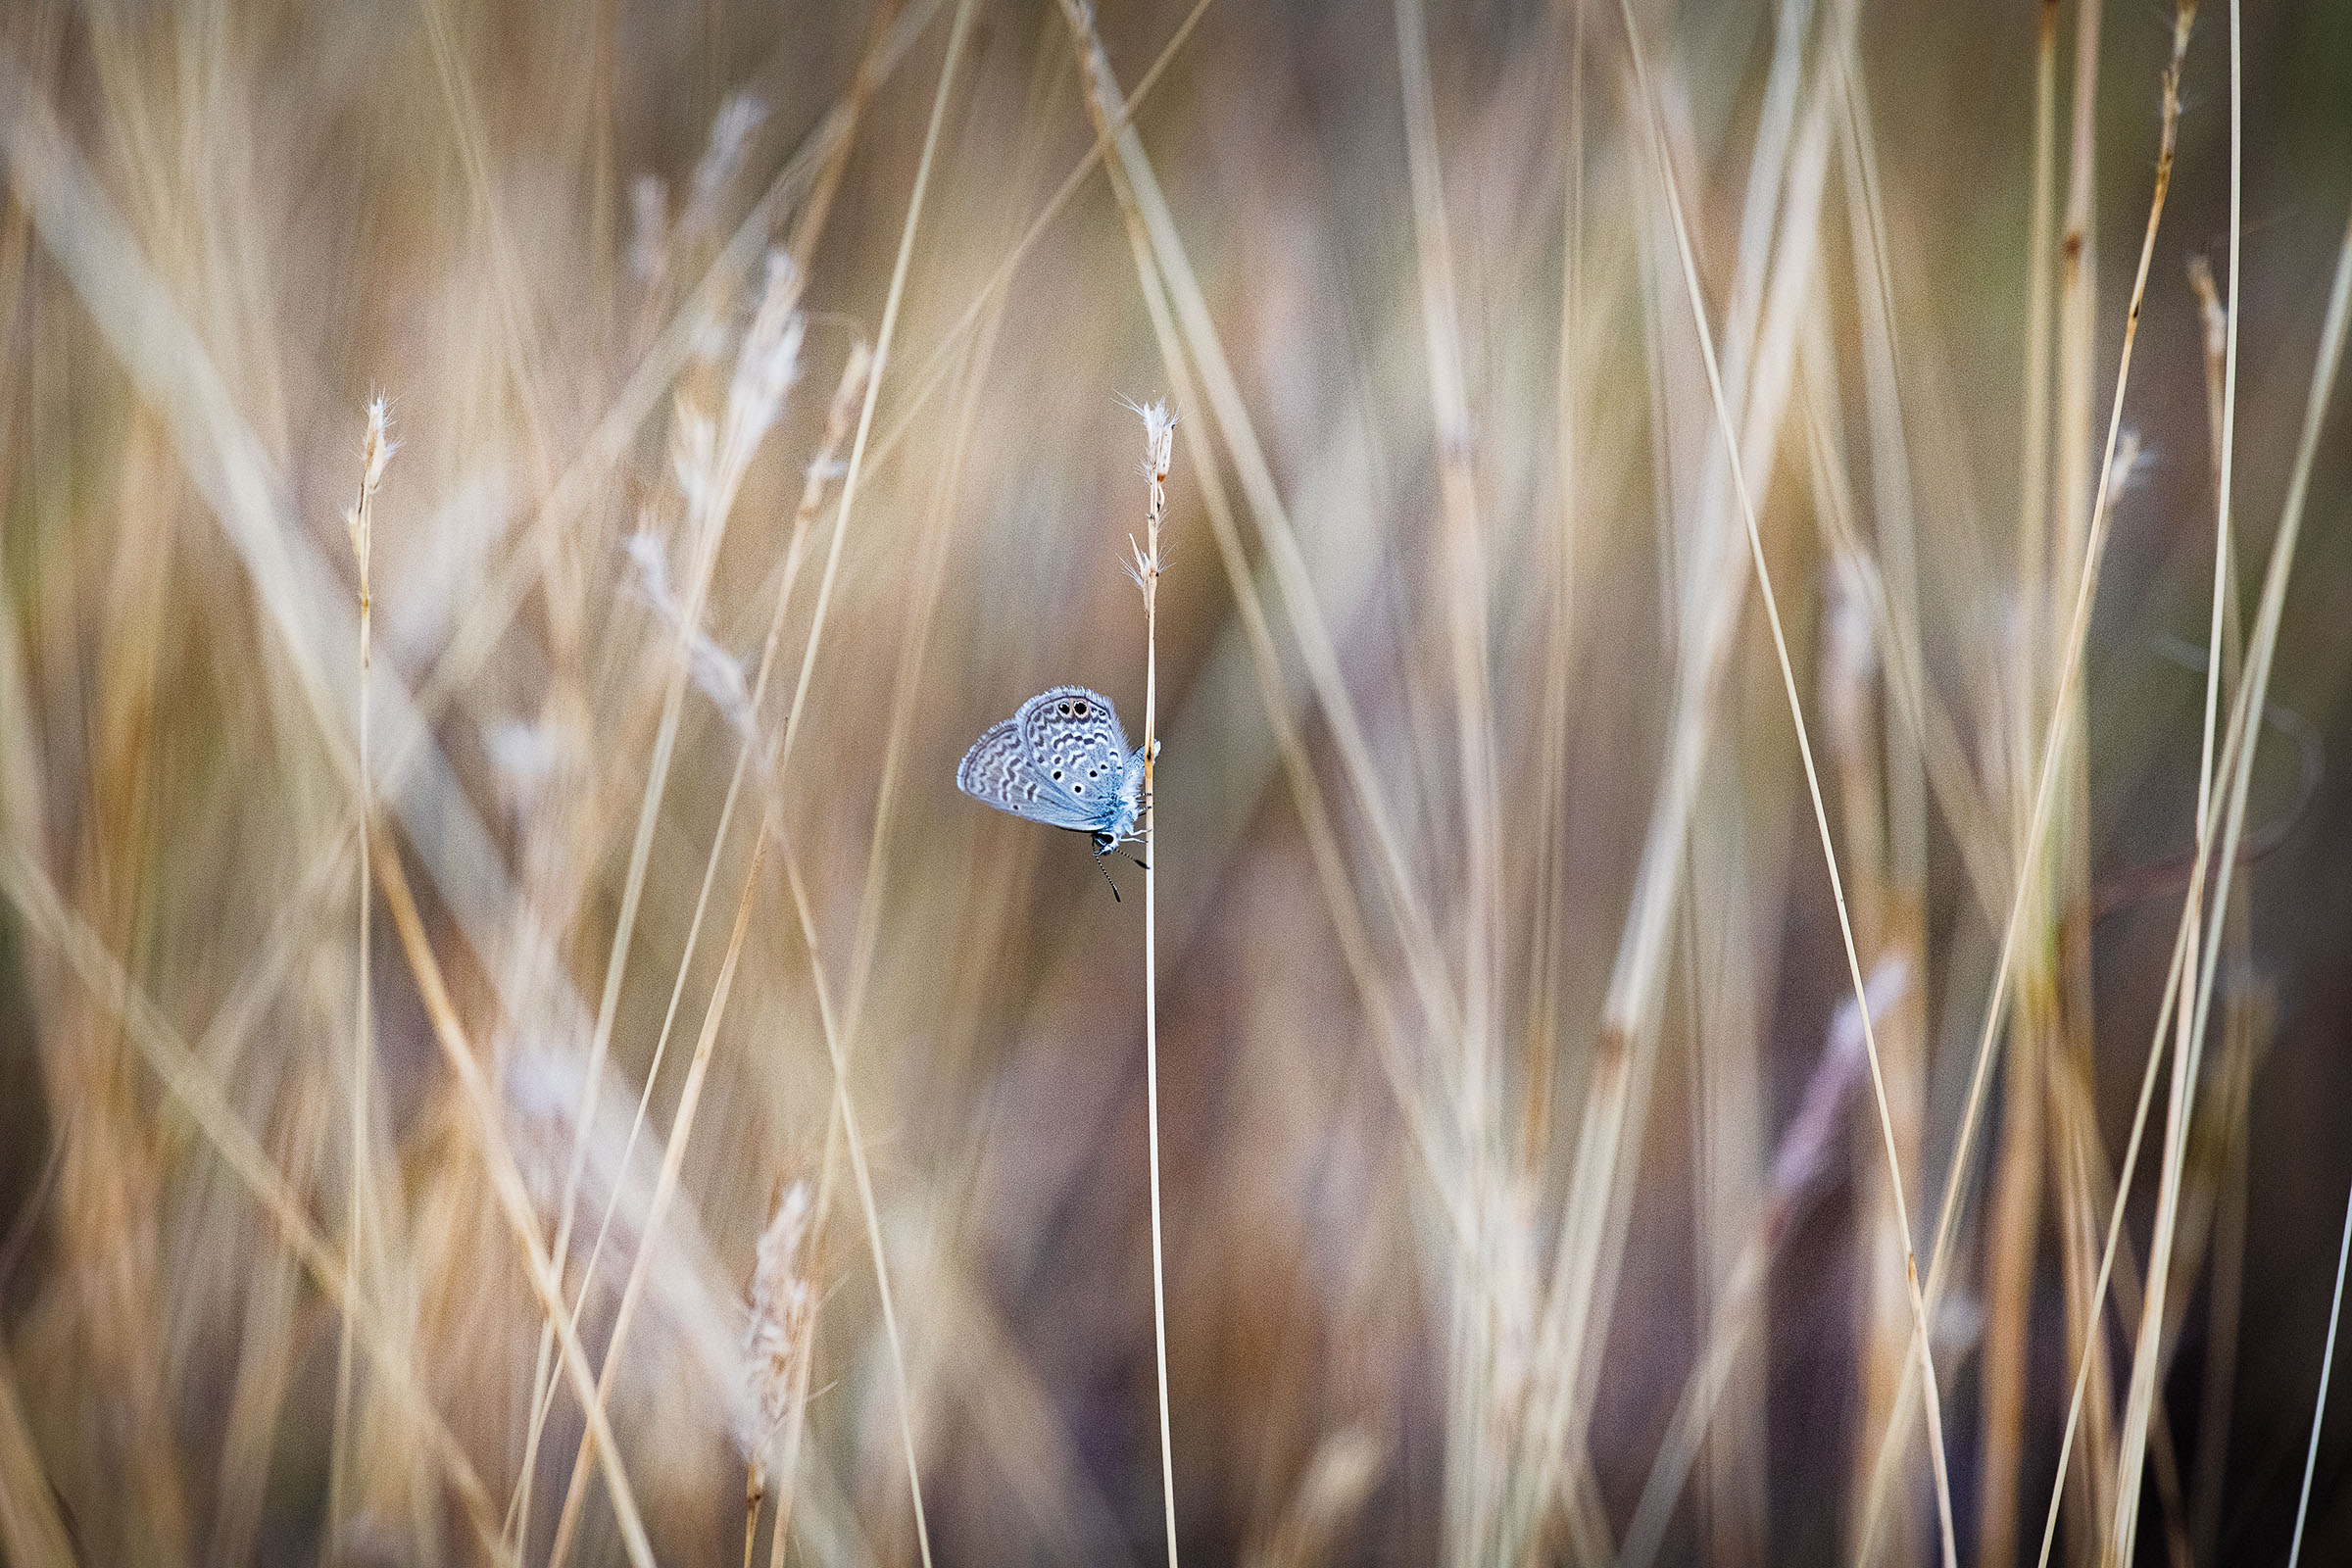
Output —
(2060, 726)
(2318, 1413)
(374, 452)
(1159, 445)
(1656, 127)
(2194, 985)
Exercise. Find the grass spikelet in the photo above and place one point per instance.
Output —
(776, 1354)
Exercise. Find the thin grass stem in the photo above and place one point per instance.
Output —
(2319, 1412)
(374, 452)
(506, 1182)
(2237, 749)
(192, 1084)
(1159, 438)
(2060, 726)
(1805, 744)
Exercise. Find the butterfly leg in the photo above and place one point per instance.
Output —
(1104, 843)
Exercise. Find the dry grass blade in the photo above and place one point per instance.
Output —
(2016, 1193)
(597, 1446)
(374, 453)
(31, 1530)
(1803, 1158)
(847, 395)
(1340, 900)
(2140, 1401)
(486, 619)
(2060, 726)
(1779, 642)
(191, 1083)
(1159, 445)
(506, 1183)
(229, 467)
(1346, 1466)
(2319, 1412)
(1299, 599)
(713, 472)
(2191, 979)
(2262, 645)
(845, 1108)
(711, 462)
(682, 1124)
(1475, 1492)
(1588, 1252)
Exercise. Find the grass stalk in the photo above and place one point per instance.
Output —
(722, 468)
(2319, 1412)
(506, 1181)
(2034, 465)
(2194, 987)
(2061, 725)
(1705, 618)
(2054, 985)
(2058, 977)
(845, 1108)
(1159, 444)
(1545, 981)
(711, 461)
(2247, 1018)
(957, 34)
(1755, 540)
(665, 1192)
(819, 165)
(193, 1085)
(1413, 1100)
(486, 619)
(1475, 1490)
(2141, 1400)
(847, 392)
(374, 452)
(2085, 1364)
(2017, 1184)
(1890, 880)
(1423, 966)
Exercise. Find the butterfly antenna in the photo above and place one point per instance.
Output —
(1105, 871)
(1139, 864)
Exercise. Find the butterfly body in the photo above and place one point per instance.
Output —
(1062, 761)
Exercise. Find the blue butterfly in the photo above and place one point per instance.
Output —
(1061, 761)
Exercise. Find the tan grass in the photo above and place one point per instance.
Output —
(1504, 1204)
(1923, 1341)
(374, 452)
(2318, 1413)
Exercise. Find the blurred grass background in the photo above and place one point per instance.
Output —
(756, 378)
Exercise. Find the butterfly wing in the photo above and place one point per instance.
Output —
(997, 771)
(1076, 744)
